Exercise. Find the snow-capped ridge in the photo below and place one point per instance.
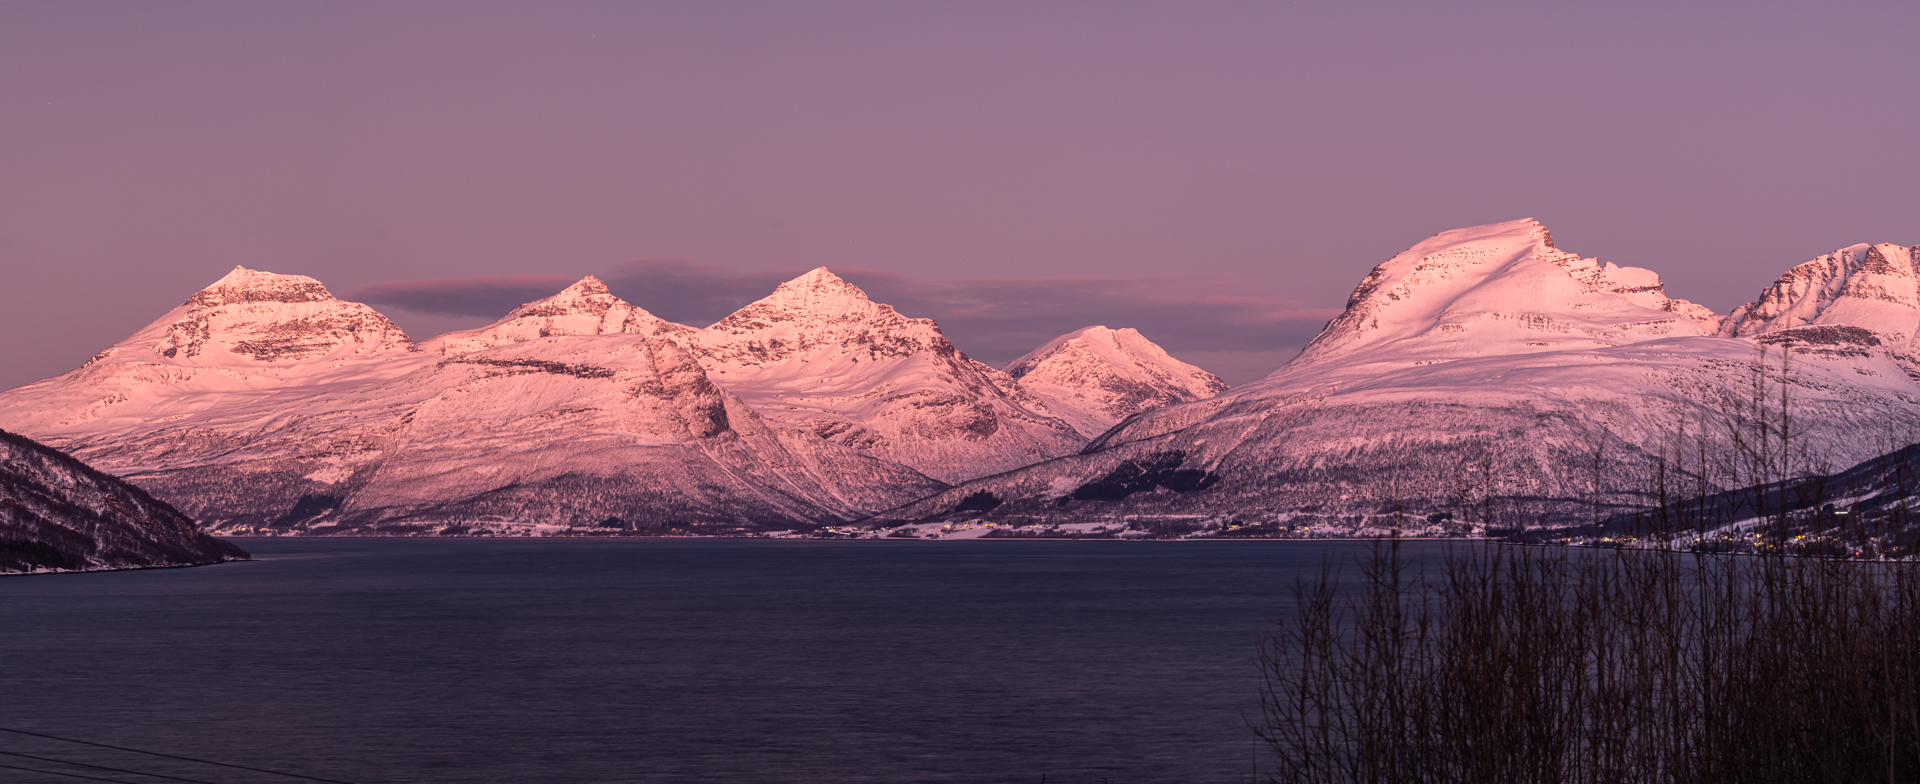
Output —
(1502, 288)
(251, 317)
(586, 307)
(241, 285)
(820, 355)
(817, 296)
(1482, 377)
(1872, 287)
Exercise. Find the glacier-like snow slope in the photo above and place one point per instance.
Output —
(1095, 377)
(1485, 374)
(818, 355)
(58, 514)
(265, 402)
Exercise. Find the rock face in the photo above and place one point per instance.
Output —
(1096, 377)
(251, 337)
(259, 318)
(819, 356)
(1487, 368)
(1875, 288)
(354, 429)
(57, 514)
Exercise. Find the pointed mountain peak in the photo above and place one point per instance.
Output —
(585, 308)
(1876, 287)
(250, 316)
(587, 295)
(817, 296)
(1094, 377)
(817, 288)
(237, 275)
(588, 286)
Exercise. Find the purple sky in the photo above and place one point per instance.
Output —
(1218, 175)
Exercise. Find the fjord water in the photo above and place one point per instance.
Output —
(569, 660)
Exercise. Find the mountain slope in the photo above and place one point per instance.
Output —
(1095, 377)
(249, 338)
(56, 513)
(818, 355)
(1483, 367)
(600, 429)
(1870, 287)
(584, 308)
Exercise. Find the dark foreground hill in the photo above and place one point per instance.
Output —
(57, 514)
(1870, 509)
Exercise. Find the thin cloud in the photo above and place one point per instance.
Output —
(1242, 333)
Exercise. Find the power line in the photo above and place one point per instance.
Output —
(68, 775)
(103, 767)
(172, 756)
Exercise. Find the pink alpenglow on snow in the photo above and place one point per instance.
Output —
(1096, 377)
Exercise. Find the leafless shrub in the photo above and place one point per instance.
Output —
(1528, 664)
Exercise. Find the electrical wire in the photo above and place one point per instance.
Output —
(68, 775)
(103, 767)
(173, 756)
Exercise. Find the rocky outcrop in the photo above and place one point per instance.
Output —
(1865, 287)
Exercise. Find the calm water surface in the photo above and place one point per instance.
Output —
(567, 660)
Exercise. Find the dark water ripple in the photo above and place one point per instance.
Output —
(378, 661)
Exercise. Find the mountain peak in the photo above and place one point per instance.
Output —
(248, 317)
(585, 308)
(818, 290)
(1875, 287)
(818, 297)
(1094, 377)
(1502, 288)
(588, 285)
(587, 295)
(242, 285)
(819, 355)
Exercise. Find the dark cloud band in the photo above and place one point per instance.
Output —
(1243, 333)
(486, 296)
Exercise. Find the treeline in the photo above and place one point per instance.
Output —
(1755, 619)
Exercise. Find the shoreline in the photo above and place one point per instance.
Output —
(128, 568)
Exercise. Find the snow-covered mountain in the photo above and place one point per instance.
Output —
(58, 514)
(818, 355)
(1483, 366)
(584, 308)
(251, 341)
(265, 402)
(1095, 377)
(1870, 287)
